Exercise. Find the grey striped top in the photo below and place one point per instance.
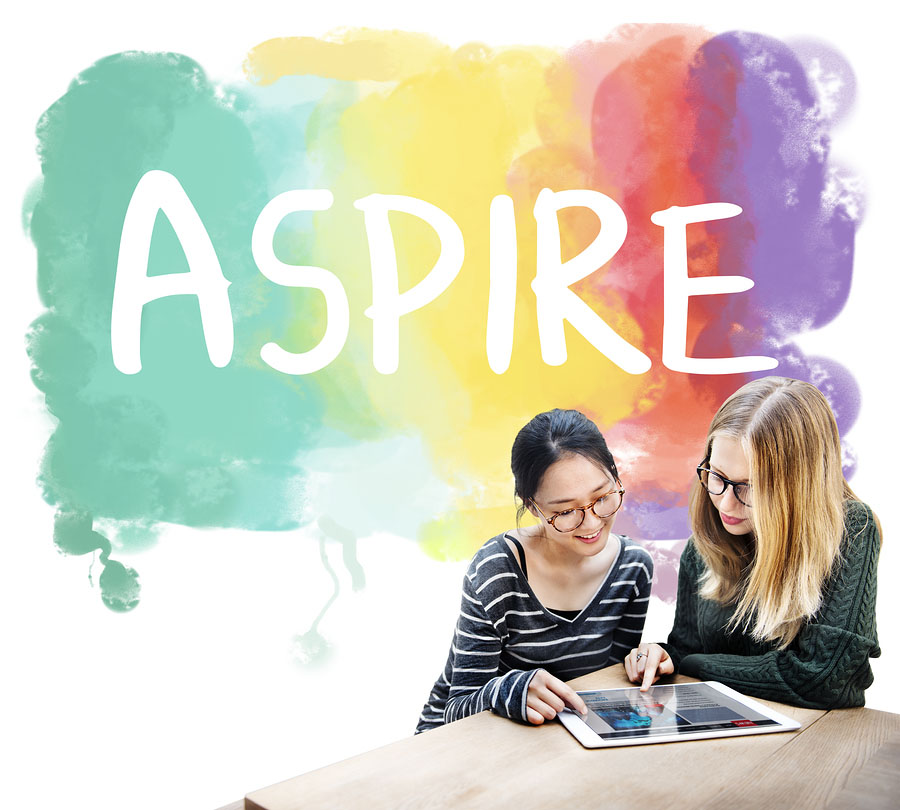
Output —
(504, 634)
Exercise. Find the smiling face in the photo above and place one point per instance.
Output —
(728, 459)
(575, 481)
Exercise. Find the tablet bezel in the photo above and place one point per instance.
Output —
(590, 739)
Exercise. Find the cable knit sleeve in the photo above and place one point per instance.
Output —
(825, 667)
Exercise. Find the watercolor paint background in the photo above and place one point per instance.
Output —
(652, 116)
(211, 652)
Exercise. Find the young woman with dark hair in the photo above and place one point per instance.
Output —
(776, 588)
(546, 603)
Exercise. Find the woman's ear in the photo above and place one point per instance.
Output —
(529, 505)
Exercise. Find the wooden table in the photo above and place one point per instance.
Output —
(843, 758)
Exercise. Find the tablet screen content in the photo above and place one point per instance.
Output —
(669, 712)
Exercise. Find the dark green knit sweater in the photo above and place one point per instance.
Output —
(827, 664)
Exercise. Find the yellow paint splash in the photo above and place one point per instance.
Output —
(349, 54)
(457, 128)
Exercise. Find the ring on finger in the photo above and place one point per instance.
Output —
(639, 656)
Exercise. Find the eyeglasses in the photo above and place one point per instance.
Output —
(570, 519)
(716, 484)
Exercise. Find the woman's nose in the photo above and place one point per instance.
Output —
(591, 522)
(728, 501)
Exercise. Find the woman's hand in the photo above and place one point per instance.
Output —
(646, 663)
(548, 696)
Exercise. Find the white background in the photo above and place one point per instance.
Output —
(193, 700)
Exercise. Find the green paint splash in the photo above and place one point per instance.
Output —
(119, 586)
(182, 441)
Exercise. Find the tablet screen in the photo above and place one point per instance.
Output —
(677, 709)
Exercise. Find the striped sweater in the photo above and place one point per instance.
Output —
(504, 634)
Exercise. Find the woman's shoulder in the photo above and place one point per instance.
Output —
(857, 513)
(634, 552)
(691, 560)
(491, 557)
(492, 573)
(860, 522)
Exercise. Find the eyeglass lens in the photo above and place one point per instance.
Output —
(573, 518)
(716, 485)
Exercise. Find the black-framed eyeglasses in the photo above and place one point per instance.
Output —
(716, 484)
(570, 519)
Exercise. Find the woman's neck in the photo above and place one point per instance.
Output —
(558, 560)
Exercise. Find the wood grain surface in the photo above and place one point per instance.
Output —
(486, 761)
(877, 783)
(815, 767)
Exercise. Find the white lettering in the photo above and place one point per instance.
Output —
(159, 191)
(337, 307)
(678, 287)
(388, 303)
(501, 314)
(555, 301)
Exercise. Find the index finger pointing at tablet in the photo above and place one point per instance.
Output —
(571, 697)
(658, 663)
(577, 703)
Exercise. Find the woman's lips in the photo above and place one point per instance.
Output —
(731, 521)
(589, 538)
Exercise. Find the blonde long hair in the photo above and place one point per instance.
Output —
(775, 576)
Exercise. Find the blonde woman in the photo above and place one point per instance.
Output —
(776, 588)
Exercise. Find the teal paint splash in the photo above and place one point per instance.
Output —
(181, 442)
(120, 587)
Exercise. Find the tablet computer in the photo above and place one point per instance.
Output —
(670, 713)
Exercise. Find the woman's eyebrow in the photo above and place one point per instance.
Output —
(716, 470)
